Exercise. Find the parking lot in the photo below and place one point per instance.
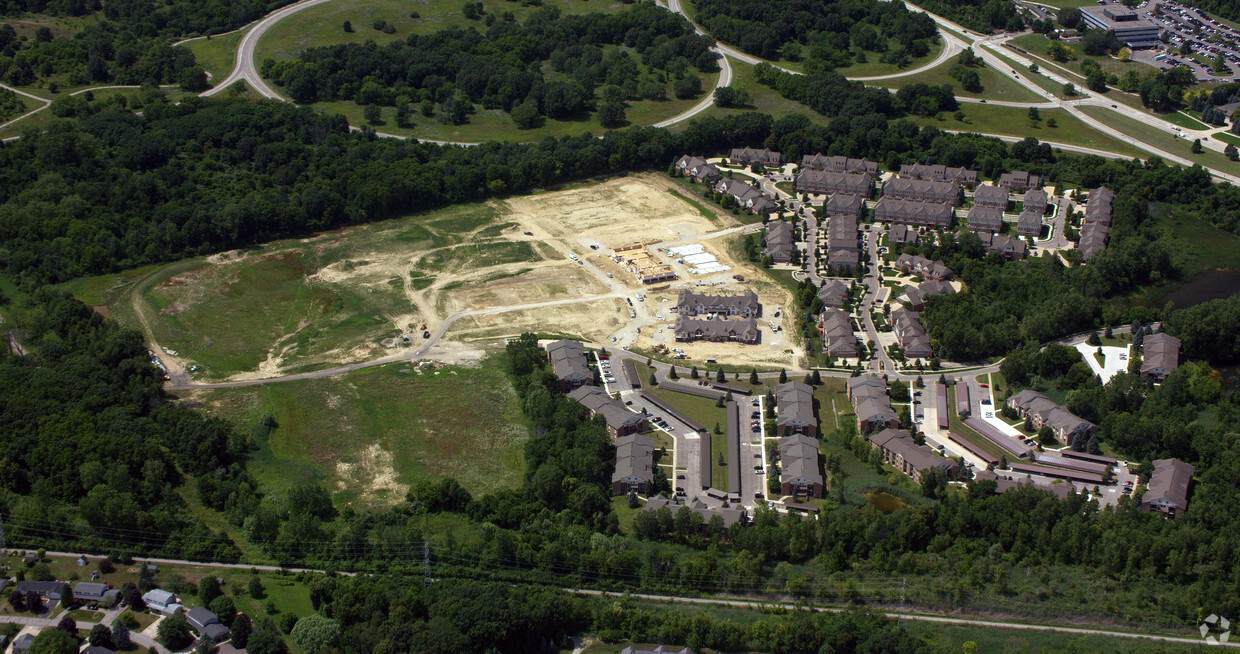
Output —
(1206, 36)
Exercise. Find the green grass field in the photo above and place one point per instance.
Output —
(372, 433)
(995, 86)
(300, 303)
(1038, 44)
(1162, 140)
(218, 54)
(1184, 120)
(1195, 244)
(1014, 121)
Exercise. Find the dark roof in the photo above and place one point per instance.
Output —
(199, 617)
(798, 460)
(50, 589)
(1160, 352)
(1169, 483)
(990, 196)
(795, 404)
(985, 219)
(89, 590)
(690, 303)
(568, 361)
(919, 457)
(634, 458)
(833, 293)
(901, 187)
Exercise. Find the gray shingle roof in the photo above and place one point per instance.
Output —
(1169, 484)
(795, 403)
(798, 460)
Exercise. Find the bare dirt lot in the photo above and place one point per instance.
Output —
(538, 263)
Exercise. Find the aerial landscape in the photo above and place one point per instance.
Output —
(619, 326)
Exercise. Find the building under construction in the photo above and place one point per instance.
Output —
(642, 264)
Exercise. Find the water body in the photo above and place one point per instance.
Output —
(1208, 285)
(885, 502)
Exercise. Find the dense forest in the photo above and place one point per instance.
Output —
(450, 616)
(824, 32)
(1224, 8)
(983, 16)
(131, 45)
(88, 438)
(587, 56)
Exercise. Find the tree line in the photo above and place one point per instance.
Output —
(89, 438)
(130, 45)
(821, 32)
(451, 70)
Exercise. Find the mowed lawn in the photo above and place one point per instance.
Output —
(1015, 121)
(1038, 44)
(1162, 140)
(217, 55)
(995, 85)
(371, 434)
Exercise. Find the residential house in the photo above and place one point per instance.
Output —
(698, 169)
(985, 219)
(22, 643)
(839, 164)
(901, 235)
(939, 173)
(780, 241)
(1008, 247)
(747, 196)
(1035, 200)
(1019, 180)
(162, 601)
(916, 295)
(991, 196)
(719, 331)
(834, 293)
(568, 362)
(794, 409)
(902, 188)
(1029, 223)
(1042, 411)
(838, 339)
(1168, 487)
(922, 267)
(1061, 489)
(745, 305)
(95, 594)
(900, 451)
(841, 261)
(872, 406)
(48, 589)
(1160, 354)
(822, 181)
(1093, 239)
(96, 649)
(748, 156)
(735, 514)
(620, 421)
(912, 335)
(1098, 207)
(798, 466)
(634, 465)
(845, 204)
(912, 212)
(207, 624)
